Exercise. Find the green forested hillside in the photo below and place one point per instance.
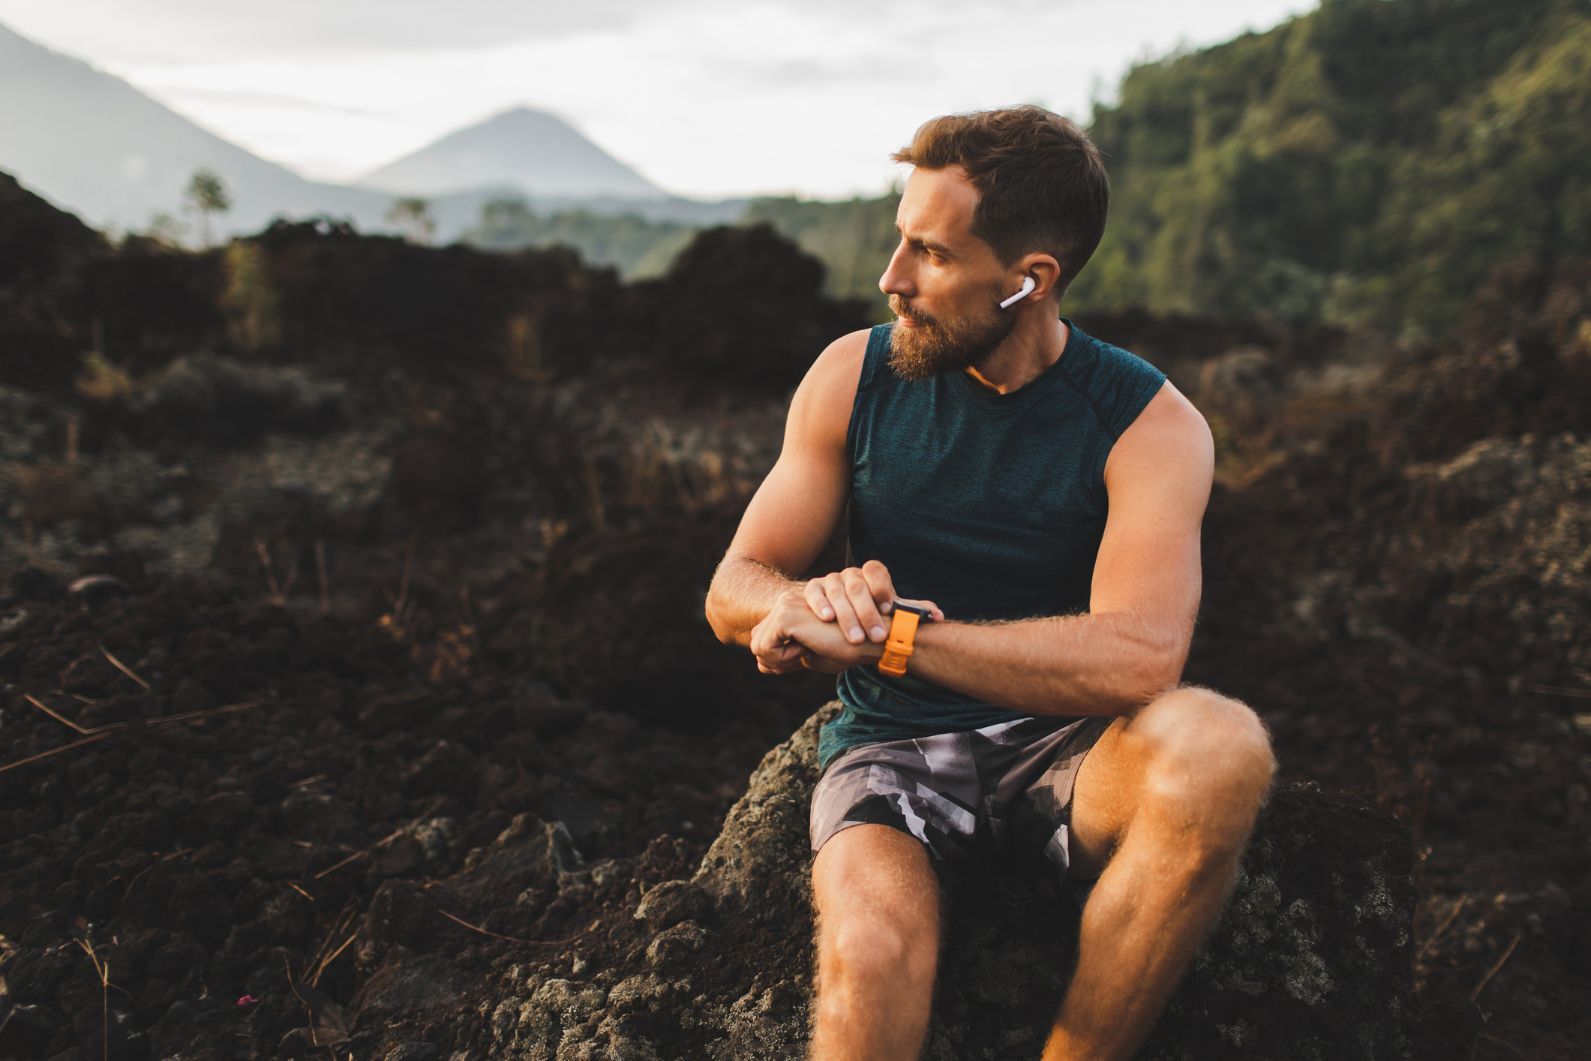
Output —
(854, 239)
(1367, 163)
(636, 246)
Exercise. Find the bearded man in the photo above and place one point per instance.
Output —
(1009, 632)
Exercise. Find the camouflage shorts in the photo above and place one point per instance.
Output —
(1004, 790)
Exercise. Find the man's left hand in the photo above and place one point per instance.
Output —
(791, 637)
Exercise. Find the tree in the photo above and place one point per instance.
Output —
(413, 215)
(207, 195)
(165, 229)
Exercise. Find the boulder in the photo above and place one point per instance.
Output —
(1311, 959)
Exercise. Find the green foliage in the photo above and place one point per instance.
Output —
(250, 300)
(1370, 162)
(413, 216)
(637, 247)
(853, 239)
(207, 195)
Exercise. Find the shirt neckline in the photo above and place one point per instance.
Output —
(1043, 381)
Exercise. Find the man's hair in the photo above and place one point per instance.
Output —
(1041, 181)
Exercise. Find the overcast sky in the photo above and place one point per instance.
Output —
(706, 98)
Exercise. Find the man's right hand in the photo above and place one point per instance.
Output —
(858, 599)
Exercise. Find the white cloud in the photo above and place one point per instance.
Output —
(705, 97)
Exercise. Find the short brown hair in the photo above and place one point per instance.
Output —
(1041, 181)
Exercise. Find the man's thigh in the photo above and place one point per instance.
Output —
(876, 875)
(1186, 729)
(1104, 795)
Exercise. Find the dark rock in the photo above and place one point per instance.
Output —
(25, 1031)
(580, 812)
(97, 587)
(401, 914)
(1312, 958)
(445, 768)
(672, 902)
(675, 944)
(226, 402)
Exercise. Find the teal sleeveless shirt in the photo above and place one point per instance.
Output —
(990, 505)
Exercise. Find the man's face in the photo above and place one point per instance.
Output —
(944, 284)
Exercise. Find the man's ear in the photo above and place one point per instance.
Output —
(1046, 272)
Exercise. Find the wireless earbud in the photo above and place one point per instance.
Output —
(1028, 284)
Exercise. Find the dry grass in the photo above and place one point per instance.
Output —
(99, 380)
(102, 970)
(51, 492)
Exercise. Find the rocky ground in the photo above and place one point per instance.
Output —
(356, 684)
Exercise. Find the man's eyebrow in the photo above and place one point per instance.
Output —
(937, 248)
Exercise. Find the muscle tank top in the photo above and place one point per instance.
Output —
(991, 505)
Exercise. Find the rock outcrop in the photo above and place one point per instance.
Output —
(1312, 958)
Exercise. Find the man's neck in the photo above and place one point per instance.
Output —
(1031, 348)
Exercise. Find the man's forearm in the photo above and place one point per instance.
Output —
(1105, 664)
(742, 593)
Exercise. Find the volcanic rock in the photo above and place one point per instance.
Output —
(1312, 958)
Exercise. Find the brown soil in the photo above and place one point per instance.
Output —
(338, 653)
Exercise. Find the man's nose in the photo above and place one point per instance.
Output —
(896, 279)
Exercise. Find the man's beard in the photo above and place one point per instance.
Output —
(935, 346)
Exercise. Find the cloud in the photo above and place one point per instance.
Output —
(227, 97)
(172, 31)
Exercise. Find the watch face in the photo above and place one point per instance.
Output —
(917, 610)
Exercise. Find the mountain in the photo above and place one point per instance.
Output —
(530, 150)
(92, 144)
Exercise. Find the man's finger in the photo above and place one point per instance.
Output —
(844, 609)
(860, 593)
(878, 580)
(818, 600)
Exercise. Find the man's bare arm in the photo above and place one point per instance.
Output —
(797, 507)
(1134, 641)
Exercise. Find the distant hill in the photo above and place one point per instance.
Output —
(97, 146)
(92, 144)
(532, 151)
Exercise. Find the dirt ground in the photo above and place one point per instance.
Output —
(293, 631)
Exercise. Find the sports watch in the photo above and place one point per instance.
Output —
(902, 635)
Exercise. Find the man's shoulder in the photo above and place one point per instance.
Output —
(822, 403)
(1168, 432)
(1120, 385)
(1104, 357)
(834, 375)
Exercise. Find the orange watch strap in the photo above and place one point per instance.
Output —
(902, 638)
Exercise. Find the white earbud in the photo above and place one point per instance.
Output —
(1028, 284)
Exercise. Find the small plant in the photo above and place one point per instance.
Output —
(99, 380)
(250, 298)
(207, 195)
(413, 216)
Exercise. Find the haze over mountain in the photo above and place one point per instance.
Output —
(531, 150)
(95, 145)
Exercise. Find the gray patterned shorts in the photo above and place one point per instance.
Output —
(1004, 790)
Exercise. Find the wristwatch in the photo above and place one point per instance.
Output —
(902, 635)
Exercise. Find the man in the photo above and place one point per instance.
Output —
(1037, 495)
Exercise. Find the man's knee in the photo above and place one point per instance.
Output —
(1207, 754)
(882, 951)
(878, 907)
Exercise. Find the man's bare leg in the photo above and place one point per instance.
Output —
(1167, 799)
(878, 913)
